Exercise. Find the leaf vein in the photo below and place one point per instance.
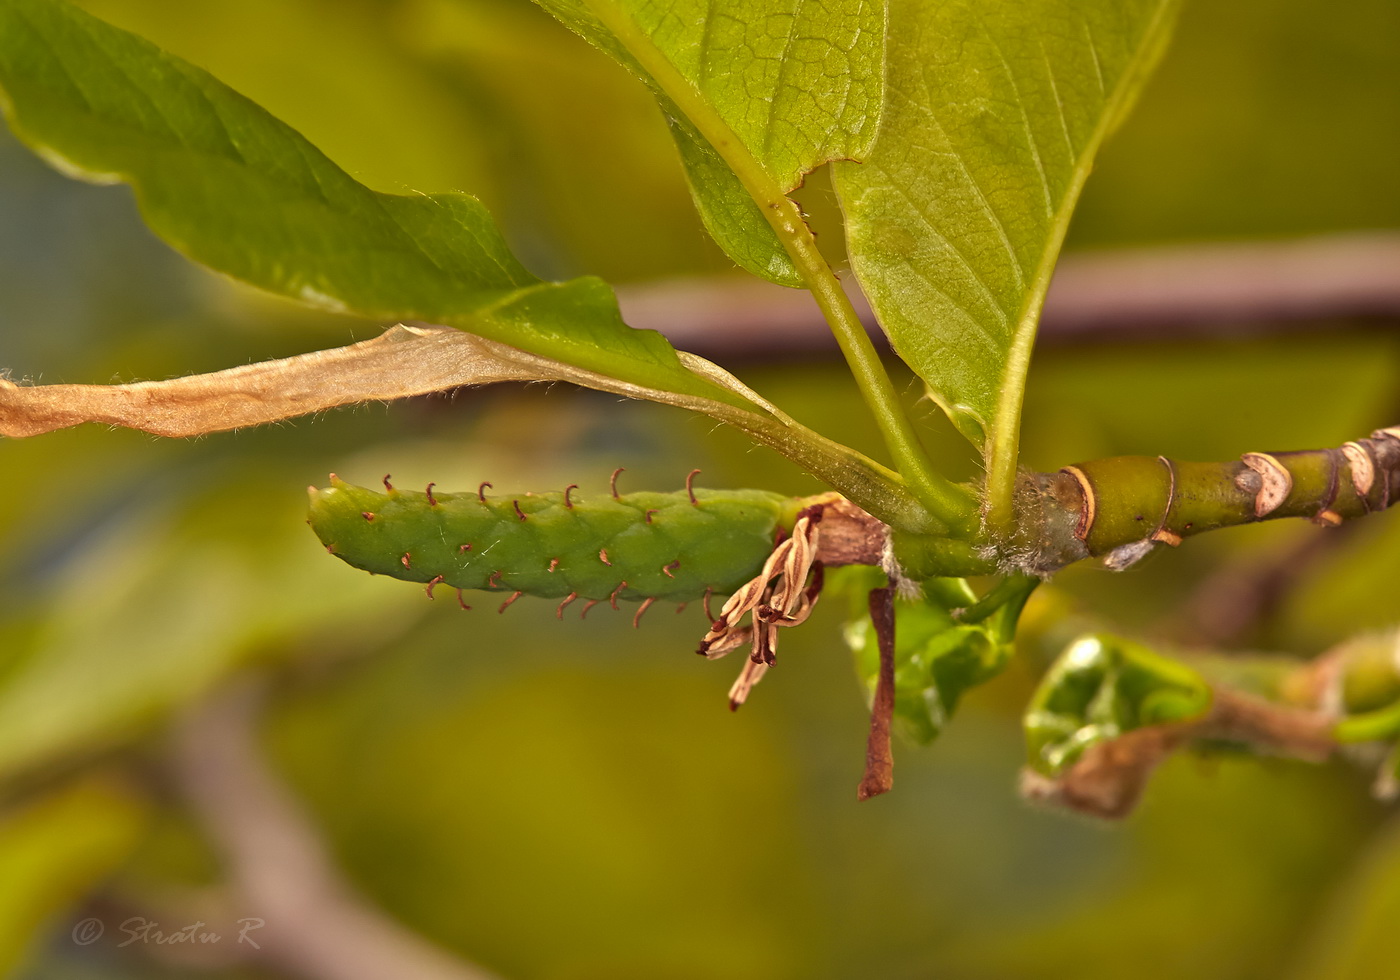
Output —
(783, 62)
(1098, 63)
(921, 211)
(991, 213)
(1031, 143)
(1059, 103)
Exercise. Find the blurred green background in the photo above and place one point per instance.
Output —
(572, 800)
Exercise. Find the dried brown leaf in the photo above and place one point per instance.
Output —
(411, 360)
(403, 361)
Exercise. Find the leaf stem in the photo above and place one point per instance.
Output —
(1009, 596)
(949, 502)
(1003, 447)
(953, 504)
(1373, 726)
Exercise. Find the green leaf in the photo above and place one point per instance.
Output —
(236, 189)
(937, 659)
(955, 217)
(1102, 687)
(728, 211)
(767, 90)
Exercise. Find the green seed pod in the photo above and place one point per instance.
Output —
(634, 546)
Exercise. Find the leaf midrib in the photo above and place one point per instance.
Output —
(1004, 448)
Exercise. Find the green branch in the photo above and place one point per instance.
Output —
(1123, 507)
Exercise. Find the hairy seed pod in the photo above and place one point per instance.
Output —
(635, 546)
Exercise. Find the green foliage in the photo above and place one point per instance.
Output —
(956, 216)
(1102, 687)
(243, 193)
(938, 658)
(956, 213)
(727, 209)
(754, 90)
(590, 546)
(758, 95)
(452, 779)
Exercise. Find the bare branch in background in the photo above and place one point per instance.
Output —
(1229, 606)
(1103, 295)
(1180, 292)
(316, 926)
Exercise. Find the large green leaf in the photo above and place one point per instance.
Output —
(238, 190)
(993, 114)
(756, 90)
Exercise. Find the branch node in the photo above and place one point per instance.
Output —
(1088, 505)
(1276, 482)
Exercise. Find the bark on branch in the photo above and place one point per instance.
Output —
(1123, 507)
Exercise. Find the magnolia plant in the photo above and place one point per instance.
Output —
(958, 136)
